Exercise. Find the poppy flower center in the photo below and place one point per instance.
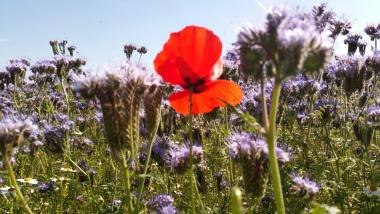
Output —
(196, 87)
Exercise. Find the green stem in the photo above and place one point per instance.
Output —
(12, 177)
(127, 181)
(15, 99)
(271, 138)
(191, 170)
(193, 181)
(264, 104)
(231, 164)
(66, 96)
(141, 185)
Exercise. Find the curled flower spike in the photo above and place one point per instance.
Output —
(191, 59)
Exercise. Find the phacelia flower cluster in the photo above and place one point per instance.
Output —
(352, 72)
(161, 204)
(120, 89)
(12, 133)
(303, 186)
(252, 154)
(292, 38)
(178, 157)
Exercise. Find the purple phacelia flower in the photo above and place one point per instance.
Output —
(253, 155)
(373, 112)
(221, 181)
(16, 69)
(44, 66)
(352, 72)
(293, 38)
(352, 41)
(373, 63)
(297, 30)
(13, 131)
(303, 186)
(160, 149)
(17, 65)
(252, 100)
(300, 85)
(161, 204)
(243, 146)
(328, 108)
(46, 186)
(178, 157)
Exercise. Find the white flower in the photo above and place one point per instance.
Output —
(5, 189)
(64, 169)
(370, 191)
(28, 181)
(60, 179)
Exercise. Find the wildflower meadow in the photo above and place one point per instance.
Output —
(280, 123)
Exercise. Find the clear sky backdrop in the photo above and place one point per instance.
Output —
(100, 28)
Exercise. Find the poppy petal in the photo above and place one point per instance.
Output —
(227, 92)
(216, 94)
(217, 71)
(168, 70)
(188, 56)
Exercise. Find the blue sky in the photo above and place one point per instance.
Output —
(100, 28)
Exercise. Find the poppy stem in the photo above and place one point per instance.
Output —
(271, 140)
(191, 170)
(193, 181)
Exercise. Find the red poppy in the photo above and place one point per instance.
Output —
(191, 59)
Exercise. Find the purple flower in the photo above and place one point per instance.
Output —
(178, 157)
(55, 135)
(243, 146)
(301, 85)
(46, 186)
(282, 155)
(352, 72)
(45, 66)
(303, 186)
(17, 65)
(373, 62)
(328, 108)
(297, 30)
(231, 60)
(170, 209)
(160, 146)
(161, 204)
(252, 154)
(16, 68)
(292, 38)
(252, 101)
(221, 181)
(13, 131)
(352, 41)
(160, 149)
(373, 112)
